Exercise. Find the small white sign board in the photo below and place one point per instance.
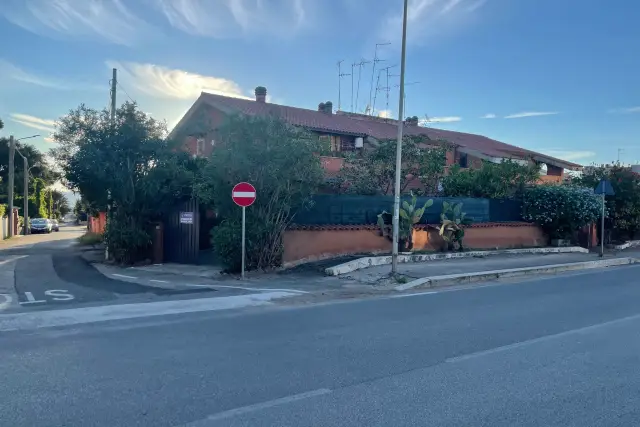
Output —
(186, 217)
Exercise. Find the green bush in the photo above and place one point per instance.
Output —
(127, 240)
(561, 210)
(227, 243)
(90, 238)
(3, 210)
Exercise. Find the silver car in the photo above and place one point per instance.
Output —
(41, 225)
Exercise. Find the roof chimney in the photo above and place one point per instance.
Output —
(328, 107)
(321, 107)
(261, 94)
(412, 121)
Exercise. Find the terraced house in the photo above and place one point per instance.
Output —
(351, 132)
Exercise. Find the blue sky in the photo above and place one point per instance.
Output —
(556, 76)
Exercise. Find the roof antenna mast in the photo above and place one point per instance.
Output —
(340, 76)
(360, 65)
(373, 73)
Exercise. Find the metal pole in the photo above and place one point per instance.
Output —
(26, 196)
(396, 195)
(243, 248)
(114, 85)
(602, 228)
(12, 149)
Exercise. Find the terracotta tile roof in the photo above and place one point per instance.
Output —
(379, 128)
(331, 227)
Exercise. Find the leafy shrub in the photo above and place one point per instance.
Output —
(453, 221)
(260, 246)
(90, 238)
(127, 240)
(493, 180)
(561, 210)
(3, 209)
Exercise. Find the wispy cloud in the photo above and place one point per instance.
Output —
(49, 139)
(445, 119)
(107, 20)
(34, 122)
(163, 82)
(628, 110)
(232, 18)
(489, 116)
(13, 72)
(531, 114)
(427, 19)
(569, 155)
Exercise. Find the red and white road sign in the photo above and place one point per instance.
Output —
(243, 194)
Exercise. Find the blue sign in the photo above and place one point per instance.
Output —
(605, 187)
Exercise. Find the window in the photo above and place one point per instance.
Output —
(200, 147)
(347, 143)
(463, 161)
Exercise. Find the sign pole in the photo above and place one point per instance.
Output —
(243, 228)
(602, 230)
(243, 194)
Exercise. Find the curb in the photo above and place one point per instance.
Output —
(455, 279)
(627, 245)
(361, 263)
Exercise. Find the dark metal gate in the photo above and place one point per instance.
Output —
(182, 234)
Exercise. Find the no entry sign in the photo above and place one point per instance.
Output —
(243, 194)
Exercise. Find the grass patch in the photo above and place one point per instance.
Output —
(90, 238)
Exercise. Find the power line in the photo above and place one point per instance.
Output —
(125, 92)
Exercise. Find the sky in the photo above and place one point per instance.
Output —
(554, 76)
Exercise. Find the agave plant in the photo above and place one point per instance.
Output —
(411, 214)
(452, 221)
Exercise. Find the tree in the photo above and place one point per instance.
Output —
(492, 180)
(132, 161)
(1, 124)
(282, 162)
(39, 167)
(624, 205)
(372, 171)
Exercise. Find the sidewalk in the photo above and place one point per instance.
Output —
(311, 285)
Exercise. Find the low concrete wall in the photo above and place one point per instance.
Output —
(314, 243)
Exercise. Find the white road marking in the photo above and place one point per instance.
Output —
(31, 299)
(578, 331)
(122, 275)
(59, 294)
(158, 281)
(247, 289)
(74, 316)
(7, 301)
(415, 295)
(6, 261)
(269, 404)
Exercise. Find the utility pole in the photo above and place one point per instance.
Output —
(114, 84)
(12, 148)
(396, 195)
(25, 213)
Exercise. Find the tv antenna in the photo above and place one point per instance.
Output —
(373, 71)
(360, 64)
(404, 101)
(340, 76)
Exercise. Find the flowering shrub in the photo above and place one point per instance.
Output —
(560, 210)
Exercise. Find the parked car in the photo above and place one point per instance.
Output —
(41, 225)
(54, 225)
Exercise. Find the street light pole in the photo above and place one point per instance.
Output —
(12, 148)
(396, 195)
(25, 213)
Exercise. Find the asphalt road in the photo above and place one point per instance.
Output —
(48, 273)
(557, 351)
